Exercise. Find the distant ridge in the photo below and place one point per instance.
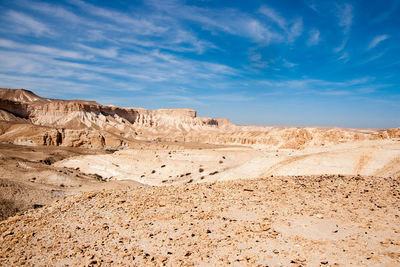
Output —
(27, 118)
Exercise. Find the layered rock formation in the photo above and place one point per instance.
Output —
(29, 119)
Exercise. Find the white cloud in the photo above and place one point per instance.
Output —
(25, 24)
(313, 37)
(292, 28)
(345, 16)
(313, 7)
(377, 40)
(51, 10)
(344, 57)
(39, 49)
(324, 87)
(141, 67)
(234, 22)
(140, 25)
(256, 59)
(341, 46)
(295, 30)
(289, 64)
(275, 17)
(103, 52)
(373, 58)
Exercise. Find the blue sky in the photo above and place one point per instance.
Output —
(298, 63)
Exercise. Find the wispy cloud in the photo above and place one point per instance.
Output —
(231, 97)
(256, 59)
(325, 87)
(139, 25)
(25, 24)
(377, 40)
(292, 28)
(103, 52)
(345, 15)
(39, 49)
(375, 57)
(51, 10)
(289, 64)
(313, 7)
(395, 4)
(341, 46)
(344, 57)
(313, 38)
(142, 68)
(235, 22)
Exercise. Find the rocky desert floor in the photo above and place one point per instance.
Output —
(274, 221)
(190, 204)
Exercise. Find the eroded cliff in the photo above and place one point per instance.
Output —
(30, 119)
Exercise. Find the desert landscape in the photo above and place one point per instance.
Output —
(88, 184)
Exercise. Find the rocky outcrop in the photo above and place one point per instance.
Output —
(33, 135)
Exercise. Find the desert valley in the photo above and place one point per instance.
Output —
(84, 183)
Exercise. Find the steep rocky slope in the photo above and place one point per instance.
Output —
(89, 124)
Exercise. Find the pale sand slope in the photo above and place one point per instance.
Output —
(28, 181)
(165, 166)
(275, 221)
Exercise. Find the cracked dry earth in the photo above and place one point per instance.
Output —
(274, 221)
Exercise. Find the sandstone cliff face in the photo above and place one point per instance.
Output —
(33, 135)
(89, 124)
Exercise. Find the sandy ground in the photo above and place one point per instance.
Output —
(28, 178)
(168, 166)
(278, 221)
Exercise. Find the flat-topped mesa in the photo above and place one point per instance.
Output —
(179, 112)
(140, 115)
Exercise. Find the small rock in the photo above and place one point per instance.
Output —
(37, 206)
